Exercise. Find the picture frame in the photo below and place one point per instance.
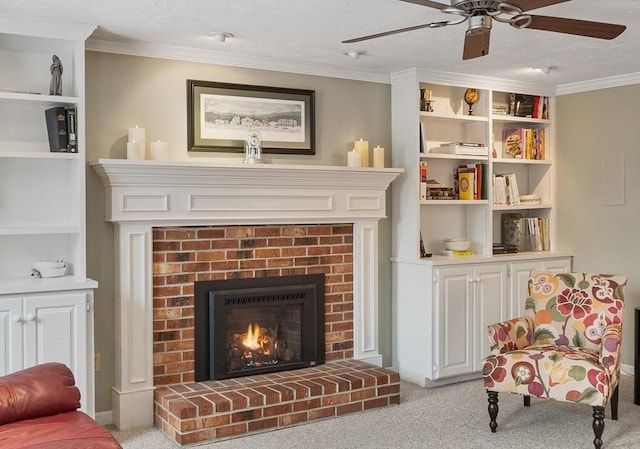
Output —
(220, 115)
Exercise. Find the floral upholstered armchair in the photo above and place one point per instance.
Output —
(566, 347)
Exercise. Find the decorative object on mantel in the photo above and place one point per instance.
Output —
(159, 151)
(362, 146)
(354, 159)
(220, 114)
(378, 157)
(253, 148)
(55, 88)
(136, 144)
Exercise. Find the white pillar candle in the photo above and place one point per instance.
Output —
(132, 151)
(354, 158)
(159, 150)
(362, 146)
(378, 157)
(138, 135)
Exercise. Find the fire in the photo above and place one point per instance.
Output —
(253, 338)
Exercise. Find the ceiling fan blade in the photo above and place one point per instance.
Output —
(431, 4)
(388, 33)
(577, 27)
(476, 43)
(528, 5)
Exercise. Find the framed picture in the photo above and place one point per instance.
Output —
(220, 115)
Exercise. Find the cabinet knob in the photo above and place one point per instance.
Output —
(31, 317)
(17, 319)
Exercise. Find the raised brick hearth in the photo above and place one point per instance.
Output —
(215, 410)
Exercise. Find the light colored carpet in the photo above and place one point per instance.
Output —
(449, 417)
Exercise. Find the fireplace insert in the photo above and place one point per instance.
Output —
(258, 325)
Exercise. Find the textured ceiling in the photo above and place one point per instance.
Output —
(309, 33)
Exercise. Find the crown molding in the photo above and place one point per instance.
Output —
(314, 69)
(229, 59)
(52, 29)
(601, 83)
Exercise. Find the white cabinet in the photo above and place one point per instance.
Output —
(519, 273)
(467, 299)
(42, 203)
(54, 327)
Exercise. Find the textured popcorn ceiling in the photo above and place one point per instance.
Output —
(307, 33)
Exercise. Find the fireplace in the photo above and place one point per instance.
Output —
(255, 326)
(141, 195)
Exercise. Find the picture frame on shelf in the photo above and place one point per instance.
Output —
(219, 116)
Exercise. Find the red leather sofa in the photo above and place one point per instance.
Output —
(38, 410)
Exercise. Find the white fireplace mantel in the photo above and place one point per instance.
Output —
(144, 194)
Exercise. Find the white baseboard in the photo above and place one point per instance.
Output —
(627, 370)
(104, 418)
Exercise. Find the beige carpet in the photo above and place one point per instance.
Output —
(450, 417)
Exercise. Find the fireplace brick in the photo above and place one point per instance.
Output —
(275, 400)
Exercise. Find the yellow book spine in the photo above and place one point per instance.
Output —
(465, 186)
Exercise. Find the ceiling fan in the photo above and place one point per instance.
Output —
(480, 14)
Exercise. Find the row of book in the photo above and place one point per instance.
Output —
(524, 143)
(533, 106)
(470, 181)
(526, 233)
(505, 190)
(62, 129)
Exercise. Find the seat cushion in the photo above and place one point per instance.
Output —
(559, 372)
(70, 430)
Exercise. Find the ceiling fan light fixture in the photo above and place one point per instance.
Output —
(355, 54)
(220, 36)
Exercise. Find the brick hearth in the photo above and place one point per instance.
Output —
(215, 410)
(189, 411)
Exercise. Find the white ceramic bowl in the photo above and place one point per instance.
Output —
(52, 272)
(47, 264)
(456, 244)
(50, 268)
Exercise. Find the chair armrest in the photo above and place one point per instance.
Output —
(510, 335)
(610, 347)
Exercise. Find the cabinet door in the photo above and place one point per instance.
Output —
(490, 305)
(56, 331)
(453, 329)
(519, 286)
(11, 348)
(519, 280)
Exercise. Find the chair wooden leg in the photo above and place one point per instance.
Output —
(614, 404)
(527, 400)
(598, 425)
(493, 410)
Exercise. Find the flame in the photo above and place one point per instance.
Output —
(252, 338)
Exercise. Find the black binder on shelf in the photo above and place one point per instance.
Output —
(62, 129)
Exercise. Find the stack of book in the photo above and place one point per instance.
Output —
(526, 233)
(504, 248)
(433, 190)
(457, 253)
(465, 148)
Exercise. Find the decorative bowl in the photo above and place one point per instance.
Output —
(50, 268)
(456, 244)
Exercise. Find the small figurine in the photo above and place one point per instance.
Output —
(56, 77)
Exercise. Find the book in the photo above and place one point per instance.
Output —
(513, 143)
(72, 131)
(457, 253)
(466, 183)
(461, 148)
(56, 119)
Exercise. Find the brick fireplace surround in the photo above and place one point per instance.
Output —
(176, 222)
